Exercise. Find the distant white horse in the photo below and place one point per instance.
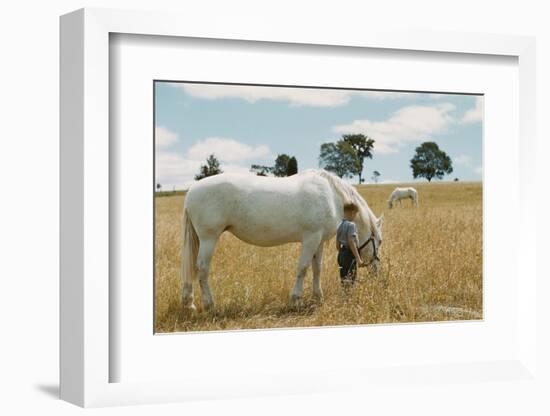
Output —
(268, 211)
(403, 193)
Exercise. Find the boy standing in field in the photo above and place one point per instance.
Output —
(347, 245)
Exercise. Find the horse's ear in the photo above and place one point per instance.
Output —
(380, 221)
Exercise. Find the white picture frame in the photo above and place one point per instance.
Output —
(85, 165)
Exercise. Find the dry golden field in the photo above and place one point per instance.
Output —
(431, 269)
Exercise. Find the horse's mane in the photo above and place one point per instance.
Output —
(349, 194)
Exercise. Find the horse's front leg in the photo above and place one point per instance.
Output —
(316, 266)
(310, 244)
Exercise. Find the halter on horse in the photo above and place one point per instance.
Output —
(374, 252)
(374, 249)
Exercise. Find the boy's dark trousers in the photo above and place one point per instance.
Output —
(348, 266)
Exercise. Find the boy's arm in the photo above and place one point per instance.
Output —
(337, 244)
(353, 248)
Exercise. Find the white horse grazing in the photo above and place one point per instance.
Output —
(403, 193)
(268, 211)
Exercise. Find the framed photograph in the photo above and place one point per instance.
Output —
(281, 213)
(240, 201)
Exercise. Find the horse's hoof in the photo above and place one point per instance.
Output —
(296, 301)
(319, 298)
(208, 307)
(190, 308)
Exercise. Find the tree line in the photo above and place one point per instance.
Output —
(345, 158)
(284, 165)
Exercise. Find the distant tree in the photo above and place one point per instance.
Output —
(430, 162)
(292, 166)
(375, 176)
(261, 170)
(338, 158)
(211, 168)
(456, 179)
(281, 164)
(159, 187)
(363, 146)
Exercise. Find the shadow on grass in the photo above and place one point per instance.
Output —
(225, 316)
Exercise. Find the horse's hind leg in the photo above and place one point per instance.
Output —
(310, 245)
(206, 250)
(316, 266)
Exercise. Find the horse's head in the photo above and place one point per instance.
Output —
(370, 241)
(390, 205)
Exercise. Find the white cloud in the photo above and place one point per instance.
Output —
(383, 95)
(174, 170)
(164, 137)
(234, 168)
(409, 124)
(467, 162)
(475, 114)
(295, 96)
(227, 150)
(463, 160)
(313, 97)
(179, 170)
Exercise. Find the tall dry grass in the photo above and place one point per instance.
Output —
(431, 269)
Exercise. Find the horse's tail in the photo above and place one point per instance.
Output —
(189, 253)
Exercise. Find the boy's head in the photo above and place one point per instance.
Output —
(350, 210)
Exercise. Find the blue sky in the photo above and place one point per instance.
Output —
(244, 125)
